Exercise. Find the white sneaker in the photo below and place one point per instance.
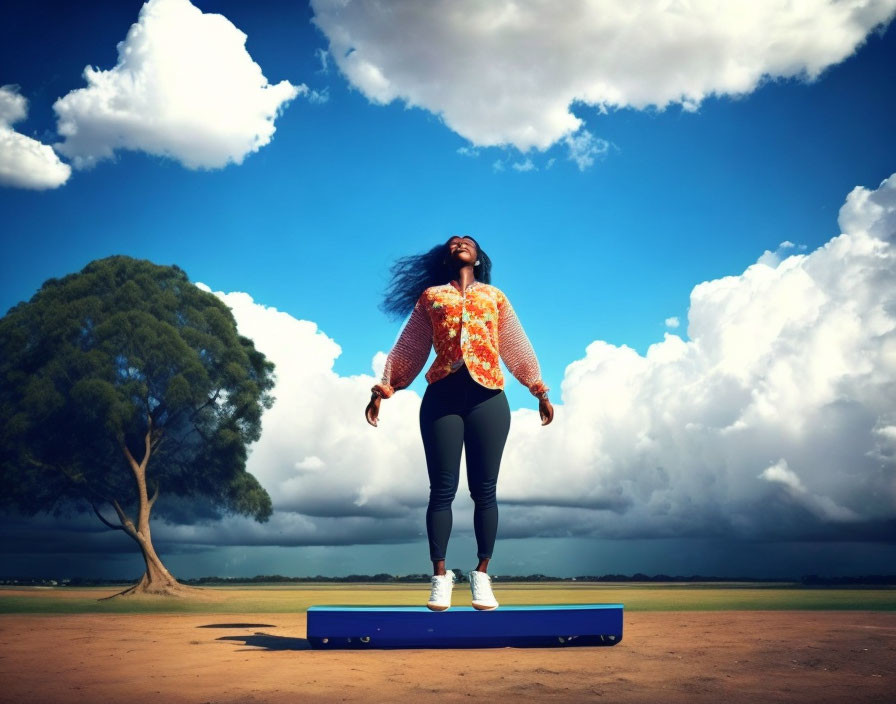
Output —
(481, 586)
(440, 596)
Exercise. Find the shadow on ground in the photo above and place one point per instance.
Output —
(262, 640)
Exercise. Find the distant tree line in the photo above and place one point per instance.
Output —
(385, 578)
(813, 580)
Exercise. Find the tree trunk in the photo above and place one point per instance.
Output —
(156, 579)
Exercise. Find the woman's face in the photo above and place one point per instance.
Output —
(462, 251)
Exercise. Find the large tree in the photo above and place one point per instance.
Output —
(124, 382)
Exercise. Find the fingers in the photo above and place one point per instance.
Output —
(546, 411)
(373, 410)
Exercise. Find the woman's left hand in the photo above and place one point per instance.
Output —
(545, 410)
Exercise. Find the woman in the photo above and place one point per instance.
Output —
(455, 308)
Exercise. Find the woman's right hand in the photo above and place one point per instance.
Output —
(373, 409)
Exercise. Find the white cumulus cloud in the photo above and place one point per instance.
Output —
(508, 71)
(25, 162)
(775, 419)
(184, 87)
(316, 424)
(584, 148)
(822, 506)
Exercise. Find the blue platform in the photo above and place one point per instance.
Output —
(367, 627)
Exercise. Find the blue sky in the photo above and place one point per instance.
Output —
(607, 251)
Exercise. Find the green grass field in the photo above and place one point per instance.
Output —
(297, 598)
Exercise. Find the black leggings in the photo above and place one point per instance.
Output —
(457, 411)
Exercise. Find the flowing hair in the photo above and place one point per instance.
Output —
(413, 274)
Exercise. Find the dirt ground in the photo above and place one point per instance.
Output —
(728, 656)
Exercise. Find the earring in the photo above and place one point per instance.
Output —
(477, 263)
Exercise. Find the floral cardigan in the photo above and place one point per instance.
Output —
(465, 327)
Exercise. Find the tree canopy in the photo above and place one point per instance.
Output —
(122, 366)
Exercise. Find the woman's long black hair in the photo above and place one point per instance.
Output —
(413, 274)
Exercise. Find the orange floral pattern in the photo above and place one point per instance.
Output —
(475, 327)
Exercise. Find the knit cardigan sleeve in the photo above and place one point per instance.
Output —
(409, 354)
(516, 350)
